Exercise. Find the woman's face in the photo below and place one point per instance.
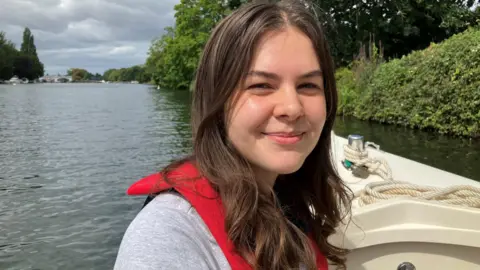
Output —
(279, 111)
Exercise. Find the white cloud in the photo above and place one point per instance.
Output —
(121, 50)
(91, 34)
(89, 29)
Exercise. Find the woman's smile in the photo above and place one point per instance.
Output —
(287, 138)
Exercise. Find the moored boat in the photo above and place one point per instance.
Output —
(15, 80)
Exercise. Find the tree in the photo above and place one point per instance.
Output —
(28, 45)
(29, 65)
(401, 25)
(173, 58)
(79, 74)
(8, 54)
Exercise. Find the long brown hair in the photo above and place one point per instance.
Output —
(315, 194)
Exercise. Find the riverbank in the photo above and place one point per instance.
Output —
(74, 82)
(435, 89)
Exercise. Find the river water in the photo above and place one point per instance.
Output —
(68, 152)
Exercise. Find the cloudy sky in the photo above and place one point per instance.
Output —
(91, 34)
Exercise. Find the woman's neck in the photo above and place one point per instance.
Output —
(265, 178)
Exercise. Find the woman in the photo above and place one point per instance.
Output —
(260, 190)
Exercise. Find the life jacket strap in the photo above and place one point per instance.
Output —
(208, 205)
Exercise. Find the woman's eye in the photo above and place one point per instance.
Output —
(309, 86)
(260, 86)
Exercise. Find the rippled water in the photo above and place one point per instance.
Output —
(67, 155)
(68, 152)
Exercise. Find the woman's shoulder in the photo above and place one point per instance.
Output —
(166, 210)
(169, 234)
(167, 201)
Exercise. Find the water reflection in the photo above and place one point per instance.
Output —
(178, 102)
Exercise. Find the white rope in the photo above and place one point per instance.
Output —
(374, 165)
(455, 195)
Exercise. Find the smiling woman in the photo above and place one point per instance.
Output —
(259, 190)
(280, 109)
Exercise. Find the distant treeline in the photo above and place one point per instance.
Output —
(23, 63)
(80, 74)
(135, 73)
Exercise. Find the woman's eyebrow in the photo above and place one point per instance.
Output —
(265, 74)
(315, 73)
(270, 75)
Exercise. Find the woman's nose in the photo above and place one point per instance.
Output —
(288, 104)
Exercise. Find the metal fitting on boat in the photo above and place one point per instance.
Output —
(406, 266)
(356, 142)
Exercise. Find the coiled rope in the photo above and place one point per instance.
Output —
(374, 165)
(463, 195)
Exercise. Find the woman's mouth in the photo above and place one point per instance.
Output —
(284, 137)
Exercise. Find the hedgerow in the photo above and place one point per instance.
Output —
(435, 89)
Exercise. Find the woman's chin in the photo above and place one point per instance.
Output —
(286, 167)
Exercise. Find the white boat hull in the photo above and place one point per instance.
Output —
(421, 255)
(427, 234)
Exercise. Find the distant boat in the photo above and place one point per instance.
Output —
(15, 80)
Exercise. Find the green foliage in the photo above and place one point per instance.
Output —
(402, 25)
(435, 89)
(349, 81)
(80, 74)
(29, 66)
(135, 73)
(24, 63)
(173, 58)
(234, 4)
(347, 90)
(8, 54)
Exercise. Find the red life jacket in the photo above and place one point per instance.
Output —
(209, 206)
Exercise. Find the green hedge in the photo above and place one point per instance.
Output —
(436, 89)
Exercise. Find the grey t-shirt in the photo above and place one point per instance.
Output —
(168, 233)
